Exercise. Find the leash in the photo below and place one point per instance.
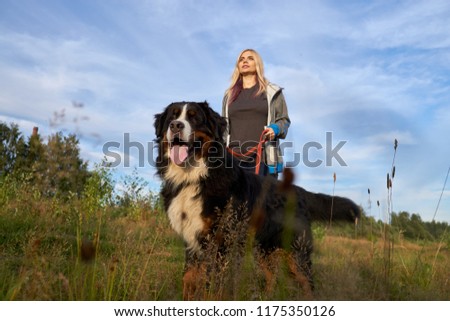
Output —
(258, 149)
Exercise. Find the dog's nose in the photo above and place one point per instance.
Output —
(176, 126)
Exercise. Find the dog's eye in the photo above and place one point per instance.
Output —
(192, 113)
(176, 113)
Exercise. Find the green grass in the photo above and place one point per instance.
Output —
(54, 250)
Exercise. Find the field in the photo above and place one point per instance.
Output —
(74, 249)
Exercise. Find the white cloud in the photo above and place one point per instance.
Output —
(369, 73)
(422, 24)
(404, 137)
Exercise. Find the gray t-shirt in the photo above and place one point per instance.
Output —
(247, 116)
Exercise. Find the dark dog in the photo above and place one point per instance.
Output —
(202, 181)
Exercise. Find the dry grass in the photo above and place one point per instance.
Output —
(359, 267)
(142, 259)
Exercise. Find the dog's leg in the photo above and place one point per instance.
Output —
(194, 278)
(269, 275)
(194, 281)
(269, 263)
(189, 283)
(301, 274)
(299, 266)
(299, 258)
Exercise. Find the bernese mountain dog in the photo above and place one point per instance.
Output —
(203, 185)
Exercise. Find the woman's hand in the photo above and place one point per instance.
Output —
(270, 134)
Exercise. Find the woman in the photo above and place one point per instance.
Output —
(252, 104)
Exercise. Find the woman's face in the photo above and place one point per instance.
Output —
(246, 63)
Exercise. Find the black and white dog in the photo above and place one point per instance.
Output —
(202, 181)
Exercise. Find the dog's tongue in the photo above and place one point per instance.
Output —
(178, 154)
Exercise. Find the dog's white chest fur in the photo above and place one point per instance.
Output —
(185, 216)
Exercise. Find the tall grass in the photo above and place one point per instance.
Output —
(104, 246)
(87, 249)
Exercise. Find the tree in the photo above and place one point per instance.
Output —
(12, 148)
(62, 170)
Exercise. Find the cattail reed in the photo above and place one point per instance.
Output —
(388, 240)
(332, 198)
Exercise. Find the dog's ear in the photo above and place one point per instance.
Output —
(221, 126)
(160, 119)
(215, 122)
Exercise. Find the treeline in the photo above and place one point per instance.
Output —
(55, 169)
(402, 226)
(412, 227)
(54, 166)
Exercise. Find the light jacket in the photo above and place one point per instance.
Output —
(277, 119)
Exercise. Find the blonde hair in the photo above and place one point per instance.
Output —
(236, 78)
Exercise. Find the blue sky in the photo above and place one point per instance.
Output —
(368, 72)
